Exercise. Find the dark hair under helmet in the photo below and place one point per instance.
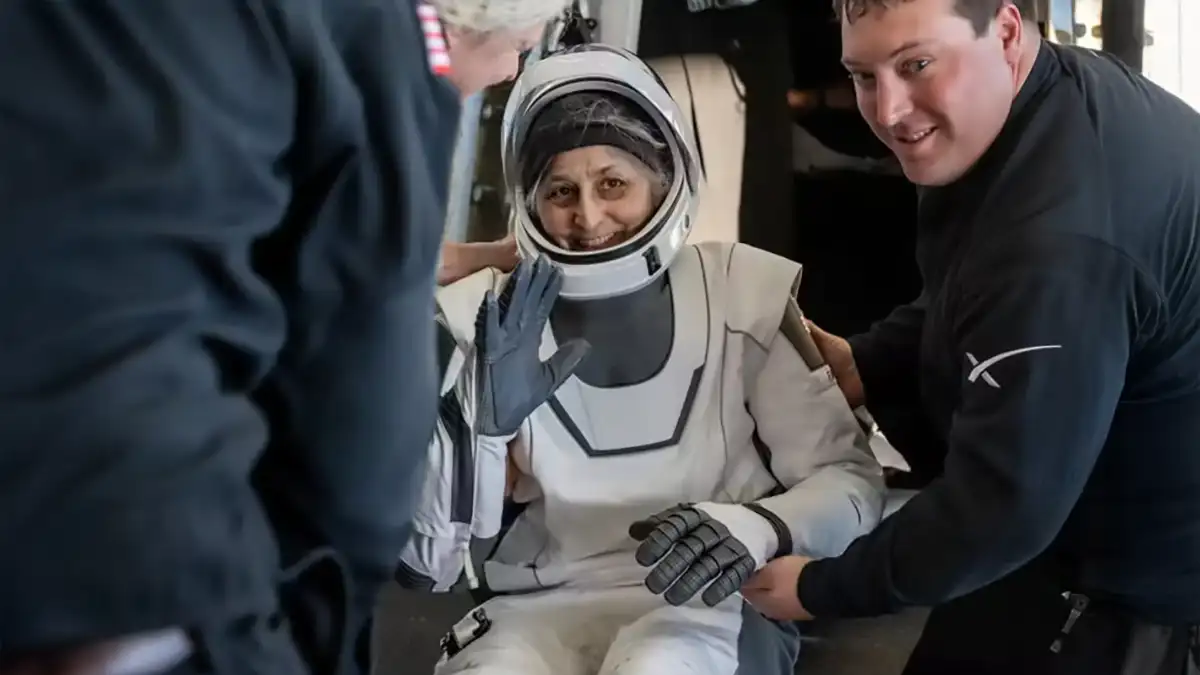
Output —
(585, 119)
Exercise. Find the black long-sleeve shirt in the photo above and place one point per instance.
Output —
(212, 215)
(1058, 341)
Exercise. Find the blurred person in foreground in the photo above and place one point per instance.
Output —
(220, 228)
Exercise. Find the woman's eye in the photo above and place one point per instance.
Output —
(558, 193)
(915, 66)
(613, 183)
(861, 78)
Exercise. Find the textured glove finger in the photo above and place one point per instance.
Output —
(733, 575)
(687, 554)
(689, 559)
(552, 286)
(711, 566)
(506, 291)
(672, 527)
(641, 529)
(487, 327)
(515, 294)
(673, 565)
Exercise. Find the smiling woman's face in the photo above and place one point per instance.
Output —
(595, 198)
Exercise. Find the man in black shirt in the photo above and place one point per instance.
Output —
(1056, 345)
(219, 223)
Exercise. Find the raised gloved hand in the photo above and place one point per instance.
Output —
(513, 380)
(706, 547)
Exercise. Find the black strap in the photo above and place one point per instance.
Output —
(782, 534)
(687, 78)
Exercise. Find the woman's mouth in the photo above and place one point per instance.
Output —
(595, 243)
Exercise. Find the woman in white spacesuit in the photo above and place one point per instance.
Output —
(671, 427)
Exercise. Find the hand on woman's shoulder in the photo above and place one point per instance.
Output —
(461, 260)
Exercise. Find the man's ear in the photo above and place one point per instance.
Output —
(1013, 30)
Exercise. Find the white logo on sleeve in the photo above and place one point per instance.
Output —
(979, 368)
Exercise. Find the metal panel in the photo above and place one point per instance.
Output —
(619, 21)
(488, 205)
(1124, 30)
(1057, 19)
(462, 170)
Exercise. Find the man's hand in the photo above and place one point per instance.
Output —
(840, 358)
(503, 254)
(706, 547)
(773, 591)
(461, 260)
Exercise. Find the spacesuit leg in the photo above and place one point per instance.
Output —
(558, 632)
(730, 639)
(721, 124)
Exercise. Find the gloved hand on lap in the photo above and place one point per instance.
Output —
(513, 380)
(706, 547)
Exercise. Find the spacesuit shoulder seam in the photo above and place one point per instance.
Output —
(719, 250)
(759, 286)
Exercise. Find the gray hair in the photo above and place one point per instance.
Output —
(639, 135)
(487, 16)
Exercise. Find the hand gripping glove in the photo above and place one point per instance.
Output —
(513, 381)
(707, 546)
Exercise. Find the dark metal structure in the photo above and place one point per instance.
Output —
(1123, 34)
(487, 218)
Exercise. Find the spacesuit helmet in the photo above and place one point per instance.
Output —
(601, 169)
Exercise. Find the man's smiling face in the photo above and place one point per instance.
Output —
(932, 88)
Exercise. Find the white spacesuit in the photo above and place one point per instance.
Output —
(698, 438)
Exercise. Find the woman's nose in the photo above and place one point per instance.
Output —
(589, 214)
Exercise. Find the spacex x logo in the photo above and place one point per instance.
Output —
(979, 368)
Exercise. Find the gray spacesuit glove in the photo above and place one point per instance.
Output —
(707, 547)
(513, 380)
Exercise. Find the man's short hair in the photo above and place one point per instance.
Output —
(979, 12)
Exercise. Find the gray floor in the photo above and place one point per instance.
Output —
(410, 626)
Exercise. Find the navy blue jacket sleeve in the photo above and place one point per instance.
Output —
(352, 399)
(181, 184)
(886, 355)
(1043, 330)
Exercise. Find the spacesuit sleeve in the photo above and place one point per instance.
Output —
(817, 451)
(462, 487)
(433, 558)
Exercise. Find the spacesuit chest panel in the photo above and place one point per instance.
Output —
(651, 415)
